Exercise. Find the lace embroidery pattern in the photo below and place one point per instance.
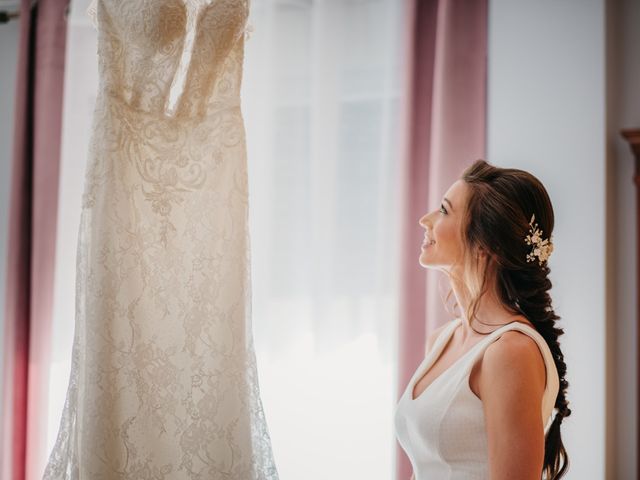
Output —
(164, 381)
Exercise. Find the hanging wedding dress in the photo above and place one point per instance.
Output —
(163, 378)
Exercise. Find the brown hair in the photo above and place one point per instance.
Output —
(500, 205)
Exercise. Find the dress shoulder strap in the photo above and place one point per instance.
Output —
(552, 381)
(444, 336)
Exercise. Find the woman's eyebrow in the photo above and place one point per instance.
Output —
(447, 200)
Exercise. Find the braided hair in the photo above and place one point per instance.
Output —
(499, 208)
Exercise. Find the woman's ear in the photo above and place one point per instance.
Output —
(486, 258)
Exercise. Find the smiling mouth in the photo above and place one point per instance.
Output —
(427, 242)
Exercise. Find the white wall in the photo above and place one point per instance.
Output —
(546, 114)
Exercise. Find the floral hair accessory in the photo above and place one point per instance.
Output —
(542, 248)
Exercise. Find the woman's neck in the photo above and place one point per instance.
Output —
(490, 311)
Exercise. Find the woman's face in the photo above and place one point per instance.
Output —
(443, 245)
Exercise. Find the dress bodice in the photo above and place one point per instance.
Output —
(171, 57)
(443, 429)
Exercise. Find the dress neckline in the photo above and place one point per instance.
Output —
(443, 344)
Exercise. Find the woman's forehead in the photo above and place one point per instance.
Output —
(456, 193)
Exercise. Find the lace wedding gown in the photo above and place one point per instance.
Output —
(163, 378)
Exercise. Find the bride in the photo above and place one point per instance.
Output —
(481, 405)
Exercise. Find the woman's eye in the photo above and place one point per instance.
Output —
(442, 209)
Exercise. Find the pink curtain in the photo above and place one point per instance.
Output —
(447, 109)
(32, 233)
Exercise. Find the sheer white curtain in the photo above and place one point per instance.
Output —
(80, 90)
(321, 99)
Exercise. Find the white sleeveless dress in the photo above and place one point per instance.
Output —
(163, 380)
(443, 430)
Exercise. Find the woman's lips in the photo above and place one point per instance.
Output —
(427, 243)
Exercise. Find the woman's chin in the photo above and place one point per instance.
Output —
(424, 257)
(427, 258)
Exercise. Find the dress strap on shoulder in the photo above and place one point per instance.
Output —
(444, 336)
(535, 335)
(552, 383)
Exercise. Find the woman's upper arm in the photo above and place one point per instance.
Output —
(511, 384)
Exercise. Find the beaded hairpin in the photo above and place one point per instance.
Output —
(542, 247)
